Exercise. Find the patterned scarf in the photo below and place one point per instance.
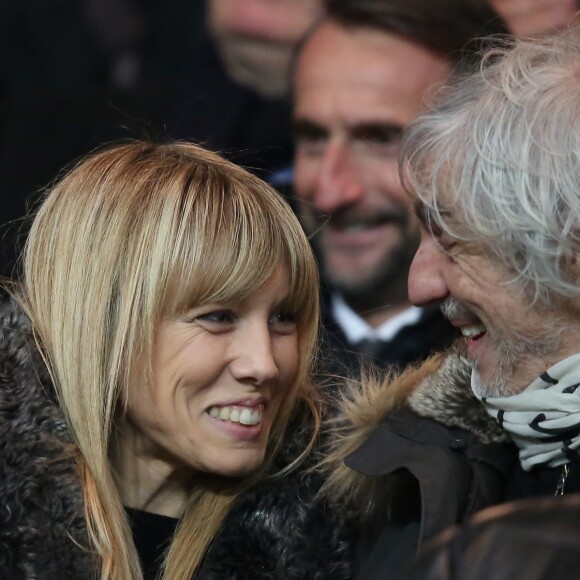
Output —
(544, 419)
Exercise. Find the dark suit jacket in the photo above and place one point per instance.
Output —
(412, 344)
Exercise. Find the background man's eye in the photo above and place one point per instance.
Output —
(309, 137)
(379, 135)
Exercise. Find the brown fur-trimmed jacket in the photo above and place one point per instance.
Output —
(416, 453)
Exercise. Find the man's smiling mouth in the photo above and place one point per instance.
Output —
(464, 319)
(473, 331)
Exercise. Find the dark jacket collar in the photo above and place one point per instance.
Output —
(411, 344)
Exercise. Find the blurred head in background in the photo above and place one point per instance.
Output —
(256, 39)
(362, 76)
(535, 17)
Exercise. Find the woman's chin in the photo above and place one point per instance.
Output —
(238, 464)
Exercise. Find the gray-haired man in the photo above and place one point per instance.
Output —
(493, 171)
(496, 167)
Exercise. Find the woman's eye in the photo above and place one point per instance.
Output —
(218, 317)
(285, 321)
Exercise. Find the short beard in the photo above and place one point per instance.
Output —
(386, 285)
(511, 350)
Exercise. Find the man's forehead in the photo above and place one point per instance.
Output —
(367, 60)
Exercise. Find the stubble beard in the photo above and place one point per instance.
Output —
(512, 351)
(385, 285)
(511, 355)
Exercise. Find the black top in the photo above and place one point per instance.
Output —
(152, 534)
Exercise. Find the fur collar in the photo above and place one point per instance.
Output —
(437, 389)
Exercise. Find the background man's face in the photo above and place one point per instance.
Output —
(256, 38)
(355, 90)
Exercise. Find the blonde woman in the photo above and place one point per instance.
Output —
(157, 350)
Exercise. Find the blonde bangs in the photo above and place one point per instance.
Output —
(226, 248)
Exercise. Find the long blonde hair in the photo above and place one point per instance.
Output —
(129, 236)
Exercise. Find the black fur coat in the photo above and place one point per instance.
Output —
(275, 531)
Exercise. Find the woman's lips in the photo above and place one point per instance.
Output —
(242, 414)
(236, 429)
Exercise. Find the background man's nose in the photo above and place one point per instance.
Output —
(340, 182)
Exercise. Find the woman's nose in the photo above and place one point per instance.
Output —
(254, 358)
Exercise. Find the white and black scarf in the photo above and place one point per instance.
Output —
(544, 419)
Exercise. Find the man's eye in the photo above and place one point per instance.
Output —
(310, 138)
(448, 245)
(312, 147)
(218, 317)
(383, 141)
(386, 138)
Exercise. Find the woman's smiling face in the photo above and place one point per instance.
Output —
(219, 375)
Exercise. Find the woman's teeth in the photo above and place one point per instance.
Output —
(245, 416)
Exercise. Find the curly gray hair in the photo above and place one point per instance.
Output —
(497, 161)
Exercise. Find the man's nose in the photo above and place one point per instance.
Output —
(340, 182)
(427, 284)
(254, 360)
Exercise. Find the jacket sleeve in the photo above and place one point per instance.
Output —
(525, 540)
